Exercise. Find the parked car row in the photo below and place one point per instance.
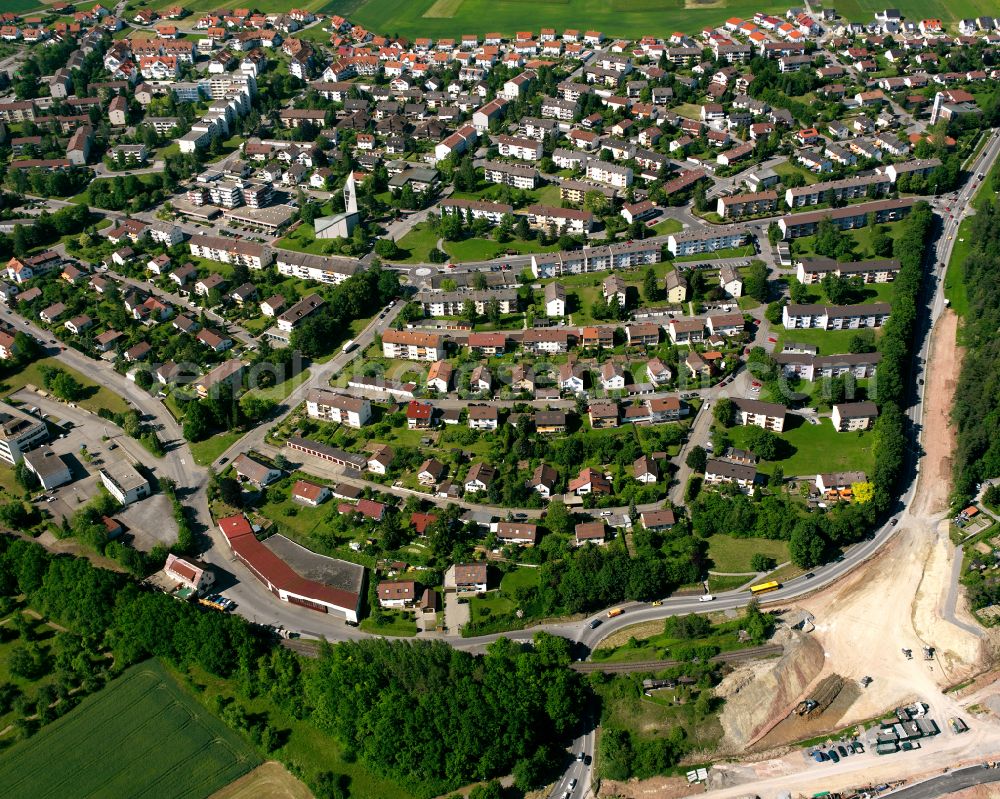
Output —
(835, 753)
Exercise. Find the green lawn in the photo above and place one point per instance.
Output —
(830, 342)
(786, 168)
(954, 279)
(731, 554)
(396, 623)
(205, 452)
(280, 392)
(98, 396)
(730, 252)
(105, 746)
(724, 635)
(81, 198)
(487, 249)
(805, 245)
(418, 243)
(523, 577)
(303, 239)
(812, 449)
(667, 226)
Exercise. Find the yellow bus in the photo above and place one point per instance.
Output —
(763, 588)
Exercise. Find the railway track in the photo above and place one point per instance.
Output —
(589, 666)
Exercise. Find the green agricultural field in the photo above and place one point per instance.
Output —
(139, 736)
(632, 18)
(21, 6)
(733, 555)
(863, 10)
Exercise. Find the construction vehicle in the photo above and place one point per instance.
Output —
(928, 653)
(908, 653)
(804, 707)
(866, 681)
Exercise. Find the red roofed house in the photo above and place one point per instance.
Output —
(335, 585)
(310, 493)
(191, 574)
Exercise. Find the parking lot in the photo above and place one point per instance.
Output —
(86, 443)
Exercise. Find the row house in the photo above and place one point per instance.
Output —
(452, 303)
(810, 367)
(767, 415)
(515, 175)
(231, 251)
(848, 417)
(550, 340)
(853, 188)
(319, 268)
(412, 345)
(332, 406)
(718, 471)
(521, 149)
(568, 220)
(705, 239)
(478, 209)
(813, 270)
(834, 317)
(739, 205)
(850, 217)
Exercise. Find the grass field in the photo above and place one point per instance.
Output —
(813, 449)
(730, 252)
(486, 249)
(99, 396)
(397, 623)
(634, 18)
(667, 226)
(204, 452)
(830, 342)
(139, 736)
(954, 278)
(730, 554)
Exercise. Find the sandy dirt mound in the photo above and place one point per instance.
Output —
(900, 599)
(761, 693)
(655, 788)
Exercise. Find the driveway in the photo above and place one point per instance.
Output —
(456, 614)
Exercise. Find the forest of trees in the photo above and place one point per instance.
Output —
(977, 400)
(896, 346)
(424, 714)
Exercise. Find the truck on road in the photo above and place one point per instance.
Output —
(615, 612)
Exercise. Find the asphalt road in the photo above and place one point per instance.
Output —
(948, 783)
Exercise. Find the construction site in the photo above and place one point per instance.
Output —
(894, 633)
